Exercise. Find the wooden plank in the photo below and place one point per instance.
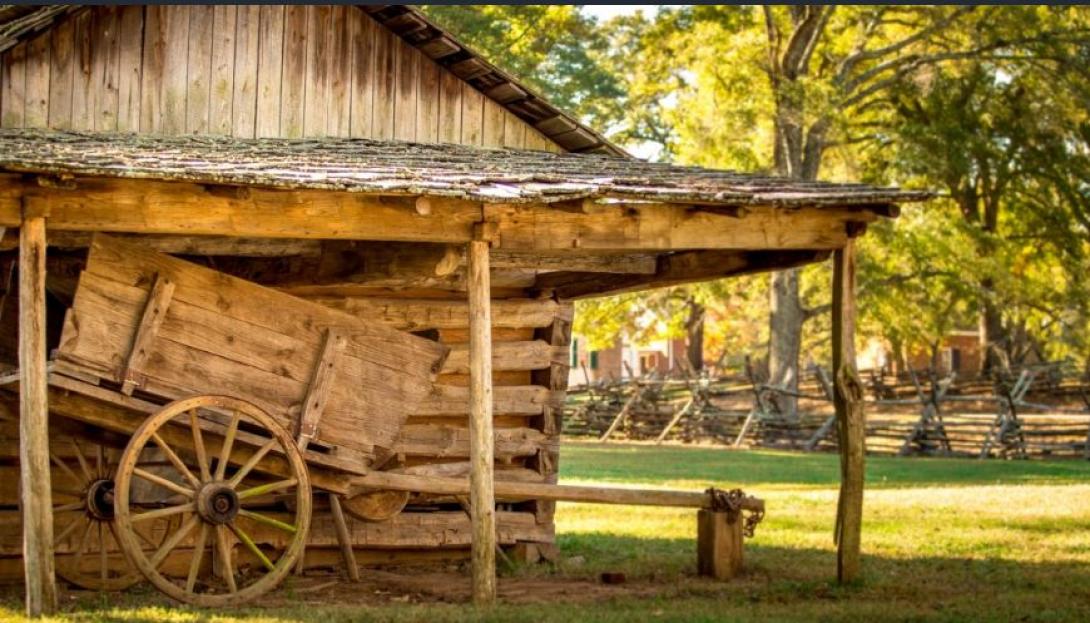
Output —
(481, 452)
(851, 425)
(37, 81)
(406, 87)
(246, 53)
(199, 67)
(448, 400)
(41, 590)
(154, 312)
(196, 245)
(521, 355)
(13, 89)
(427, 103)
(318, 45)
(439, 441)
(421, 314)
(321, 382)
(62, 68)
(151, 75)
(105, 54)
(558, 337)
(450, 107)
(626, 264)
(472, 116)
(340, 72)
(718, 544)
(130, 37)
(514, 131)
(293, 77)
(382, 120)
(83, 86)
(492, 132)
(174, 81)
(363, 31)
(269, 81)
(221, 89)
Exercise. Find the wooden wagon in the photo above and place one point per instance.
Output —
(271, 396)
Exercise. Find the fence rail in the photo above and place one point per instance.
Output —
(1041, 410)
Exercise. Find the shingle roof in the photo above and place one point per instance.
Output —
(392, 167)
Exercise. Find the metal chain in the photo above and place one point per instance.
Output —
(731, 502)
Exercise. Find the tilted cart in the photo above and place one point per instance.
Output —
(198, 412)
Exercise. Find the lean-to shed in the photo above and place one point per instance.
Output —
(364, 159)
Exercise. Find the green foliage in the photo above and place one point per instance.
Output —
(553, 48)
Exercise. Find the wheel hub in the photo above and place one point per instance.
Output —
(100, 499)
(217, 503)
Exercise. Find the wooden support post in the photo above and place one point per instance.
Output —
(849, 414)
(481, 494)
(344, 539)
(41, 589)
(719, 543)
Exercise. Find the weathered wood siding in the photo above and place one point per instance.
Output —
(246, 71)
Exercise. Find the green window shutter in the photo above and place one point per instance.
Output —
(575, 353)
(593, 360)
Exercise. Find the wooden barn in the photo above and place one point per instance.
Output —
(368, 196)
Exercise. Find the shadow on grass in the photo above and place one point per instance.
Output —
(779, 584)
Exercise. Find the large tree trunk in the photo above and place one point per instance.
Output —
(993, 335)
(694, 327)
(785, 320)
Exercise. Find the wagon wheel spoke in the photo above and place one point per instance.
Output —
(168, 511)
(64, 534)
(64, 467)
(67, 508)
(195, 563)
(163, 482)
(223, 550)
(251, 463)
(84, 541)
(268, 521)
(103, 562)
(176, 461)
(175, 539)
(250, 545)
(100, 461)
(228, 442)
(198, 445)
(82, 460)
(279, 485)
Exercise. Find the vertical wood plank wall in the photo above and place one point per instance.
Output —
(245, 71)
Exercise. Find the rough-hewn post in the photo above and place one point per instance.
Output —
(41, 589)
(481, 494)
(848, 401)
(719, 543)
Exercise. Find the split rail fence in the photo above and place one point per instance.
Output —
(1041, 410)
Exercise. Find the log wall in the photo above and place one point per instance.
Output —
(245, 71)
(531, 339)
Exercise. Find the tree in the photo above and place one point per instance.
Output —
(553, 48)
(828, 73)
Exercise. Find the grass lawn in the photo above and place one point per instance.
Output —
(948, 540)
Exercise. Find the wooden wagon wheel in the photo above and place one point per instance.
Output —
(231, 464)
(83, 510)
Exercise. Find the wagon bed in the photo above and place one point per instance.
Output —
(171, 329)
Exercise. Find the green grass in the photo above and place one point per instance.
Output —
(944, 540)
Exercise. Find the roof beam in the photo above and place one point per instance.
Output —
(183, 208)
(675, 269)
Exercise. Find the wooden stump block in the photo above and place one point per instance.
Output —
(718, 544)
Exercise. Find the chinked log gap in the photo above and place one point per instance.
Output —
(720, 527)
